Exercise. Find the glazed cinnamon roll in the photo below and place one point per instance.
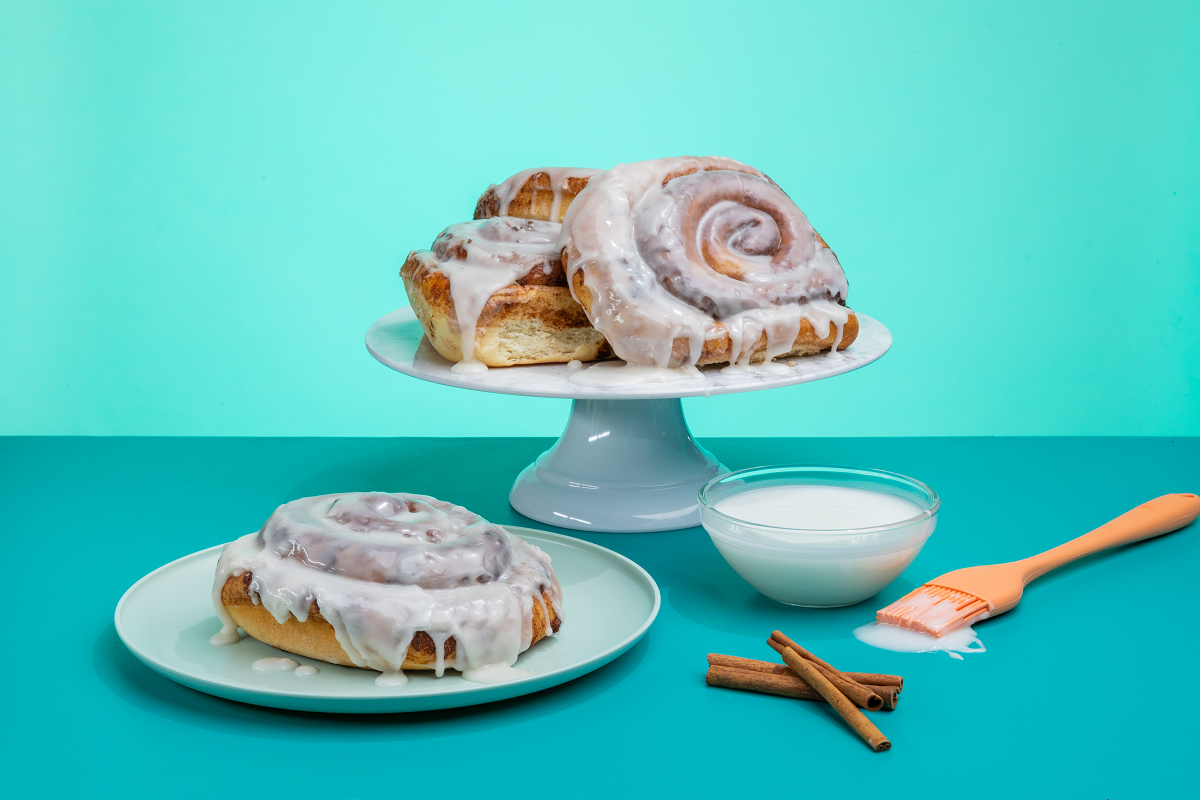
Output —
(688, 261)
(542, 193)
(387, 582)
(493, 293)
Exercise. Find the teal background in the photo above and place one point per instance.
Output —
(203, 206)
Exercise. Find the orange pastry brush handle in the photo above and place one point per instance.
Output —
(1154, 518)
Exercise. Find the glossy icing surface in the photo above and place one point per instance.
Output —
(695, 248)
(507, 191)
(383, 566)
(902, 640)
(481, 257)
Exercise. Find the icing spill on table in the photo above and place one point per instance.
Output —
(902, 640)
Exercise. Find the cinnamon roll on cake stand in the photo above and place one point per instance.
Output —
(626, 462)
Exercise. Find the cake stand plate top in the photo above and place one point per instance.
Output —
(398, 341)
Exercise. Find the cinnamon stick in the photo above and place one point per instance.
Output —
(860, 695)
(783, 639)
(865, 678)
(784, 684)
(809, 671)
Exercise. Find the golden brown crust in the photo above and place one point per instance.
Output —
(532, 321)
(537, 320)
(315, 638)
(718, 349)
(534, 200)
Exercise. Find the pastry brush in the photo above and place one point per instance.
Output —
(965, 596)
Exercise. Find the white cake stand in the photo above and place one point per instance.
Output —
(627, 461)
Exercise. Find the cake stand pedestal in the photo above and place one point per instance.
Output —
(626, 461)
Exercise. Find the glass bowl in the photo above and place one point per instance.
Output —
(824, 565)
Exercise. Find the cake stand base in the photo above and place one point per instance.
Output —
(621, 466)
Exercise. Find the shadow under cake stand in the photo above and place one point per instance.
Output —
(627, 462)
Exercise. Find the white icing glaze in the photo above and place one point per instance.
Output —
(611, 374)
(226, 636)
(719, 250)
(275, 665)
(481, 257)
(903, 640)
(382, 567)
(305, 671)
(796, 509)
(507, 191)
(495, 673)
(388, 680)
(469, 366)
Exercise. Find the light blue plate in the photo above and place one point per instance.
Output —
(167, 617)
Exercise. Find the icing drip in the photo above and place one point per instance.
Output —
(507, 191)
(692, 249)
(388, 680)
(439, 644)
(837, 339)
(226, 636)
(382, 567)
(481, 257)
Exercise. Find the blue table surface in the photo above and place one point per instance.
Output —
(1082, 693)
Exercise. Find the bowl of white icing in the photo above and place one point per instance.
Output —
(818, 536)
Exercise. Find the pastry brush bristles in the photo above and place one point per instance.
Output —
(934, 610)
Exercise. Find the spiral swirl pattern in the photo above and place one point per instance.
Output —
(380, 567)
(402, 539)
(518, 245)
(677, 252)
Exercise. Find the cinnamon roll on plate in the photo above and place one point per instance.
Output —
(492, 292)
(389, 582)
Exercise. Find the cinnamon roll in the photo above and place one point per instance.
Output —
(493, 293)
(542, 193)
(388, 582)
(689, 261)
